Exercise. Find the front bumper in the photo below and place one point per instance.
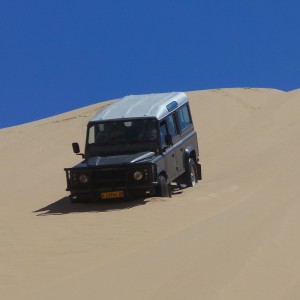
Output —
(109, 181)
(128, 193)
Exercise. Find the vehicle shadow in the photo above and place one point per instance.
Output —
(63, 206)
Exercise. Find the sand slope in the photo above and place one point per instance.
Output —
(234, 236)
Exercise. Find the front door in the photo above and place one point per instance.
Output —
(169, 154)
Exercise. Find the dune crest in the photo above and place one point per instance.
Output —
(233, 236)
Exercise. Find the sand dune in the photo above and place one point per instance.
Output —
(233, 236)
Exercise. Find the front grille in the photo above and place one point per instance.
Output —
(109, 178)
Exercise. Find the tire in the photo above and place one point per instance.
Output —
(163, 189)
(191, 174)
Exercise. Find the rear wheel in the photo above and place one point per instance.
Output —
(163, 189)
(191, 175)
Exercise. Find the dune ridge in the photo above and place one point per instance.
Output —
(233, 236)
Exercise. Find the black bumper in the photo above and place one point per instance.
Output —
(129, 192)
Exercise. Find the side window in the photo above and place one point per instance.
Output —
(184, 117)
(172, 125)
(163, 132)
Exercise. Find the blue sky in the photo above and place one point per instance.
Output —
(59, 55)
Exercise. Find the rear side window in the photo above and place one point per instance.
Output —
(184, 117)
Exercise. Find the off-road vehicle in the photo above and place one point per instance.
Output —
(137, 146)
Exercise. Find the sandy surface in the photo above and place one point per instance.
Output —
(233, 236)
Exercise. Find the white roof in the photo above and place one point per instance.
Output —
(138, 106)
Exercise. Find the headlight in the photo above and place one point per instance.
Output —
(83, 179)
(137, 175)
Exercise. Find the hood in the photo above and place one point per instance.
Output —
(115, 159)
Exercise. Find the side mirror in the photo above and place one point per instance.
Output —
(76, 148)
(169, 141)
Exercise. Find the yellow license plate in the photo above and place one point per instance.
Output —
(110, 195)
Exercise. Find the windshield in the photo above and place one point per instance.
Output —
(115, 137)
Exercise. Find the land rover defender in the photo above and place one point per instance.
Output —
(137, 146)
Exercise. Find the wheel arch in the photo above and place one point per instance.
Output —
(190, 152)
(161, 170)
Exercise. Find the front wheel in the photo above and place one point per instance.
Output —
(163, 189)
(191, 174)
